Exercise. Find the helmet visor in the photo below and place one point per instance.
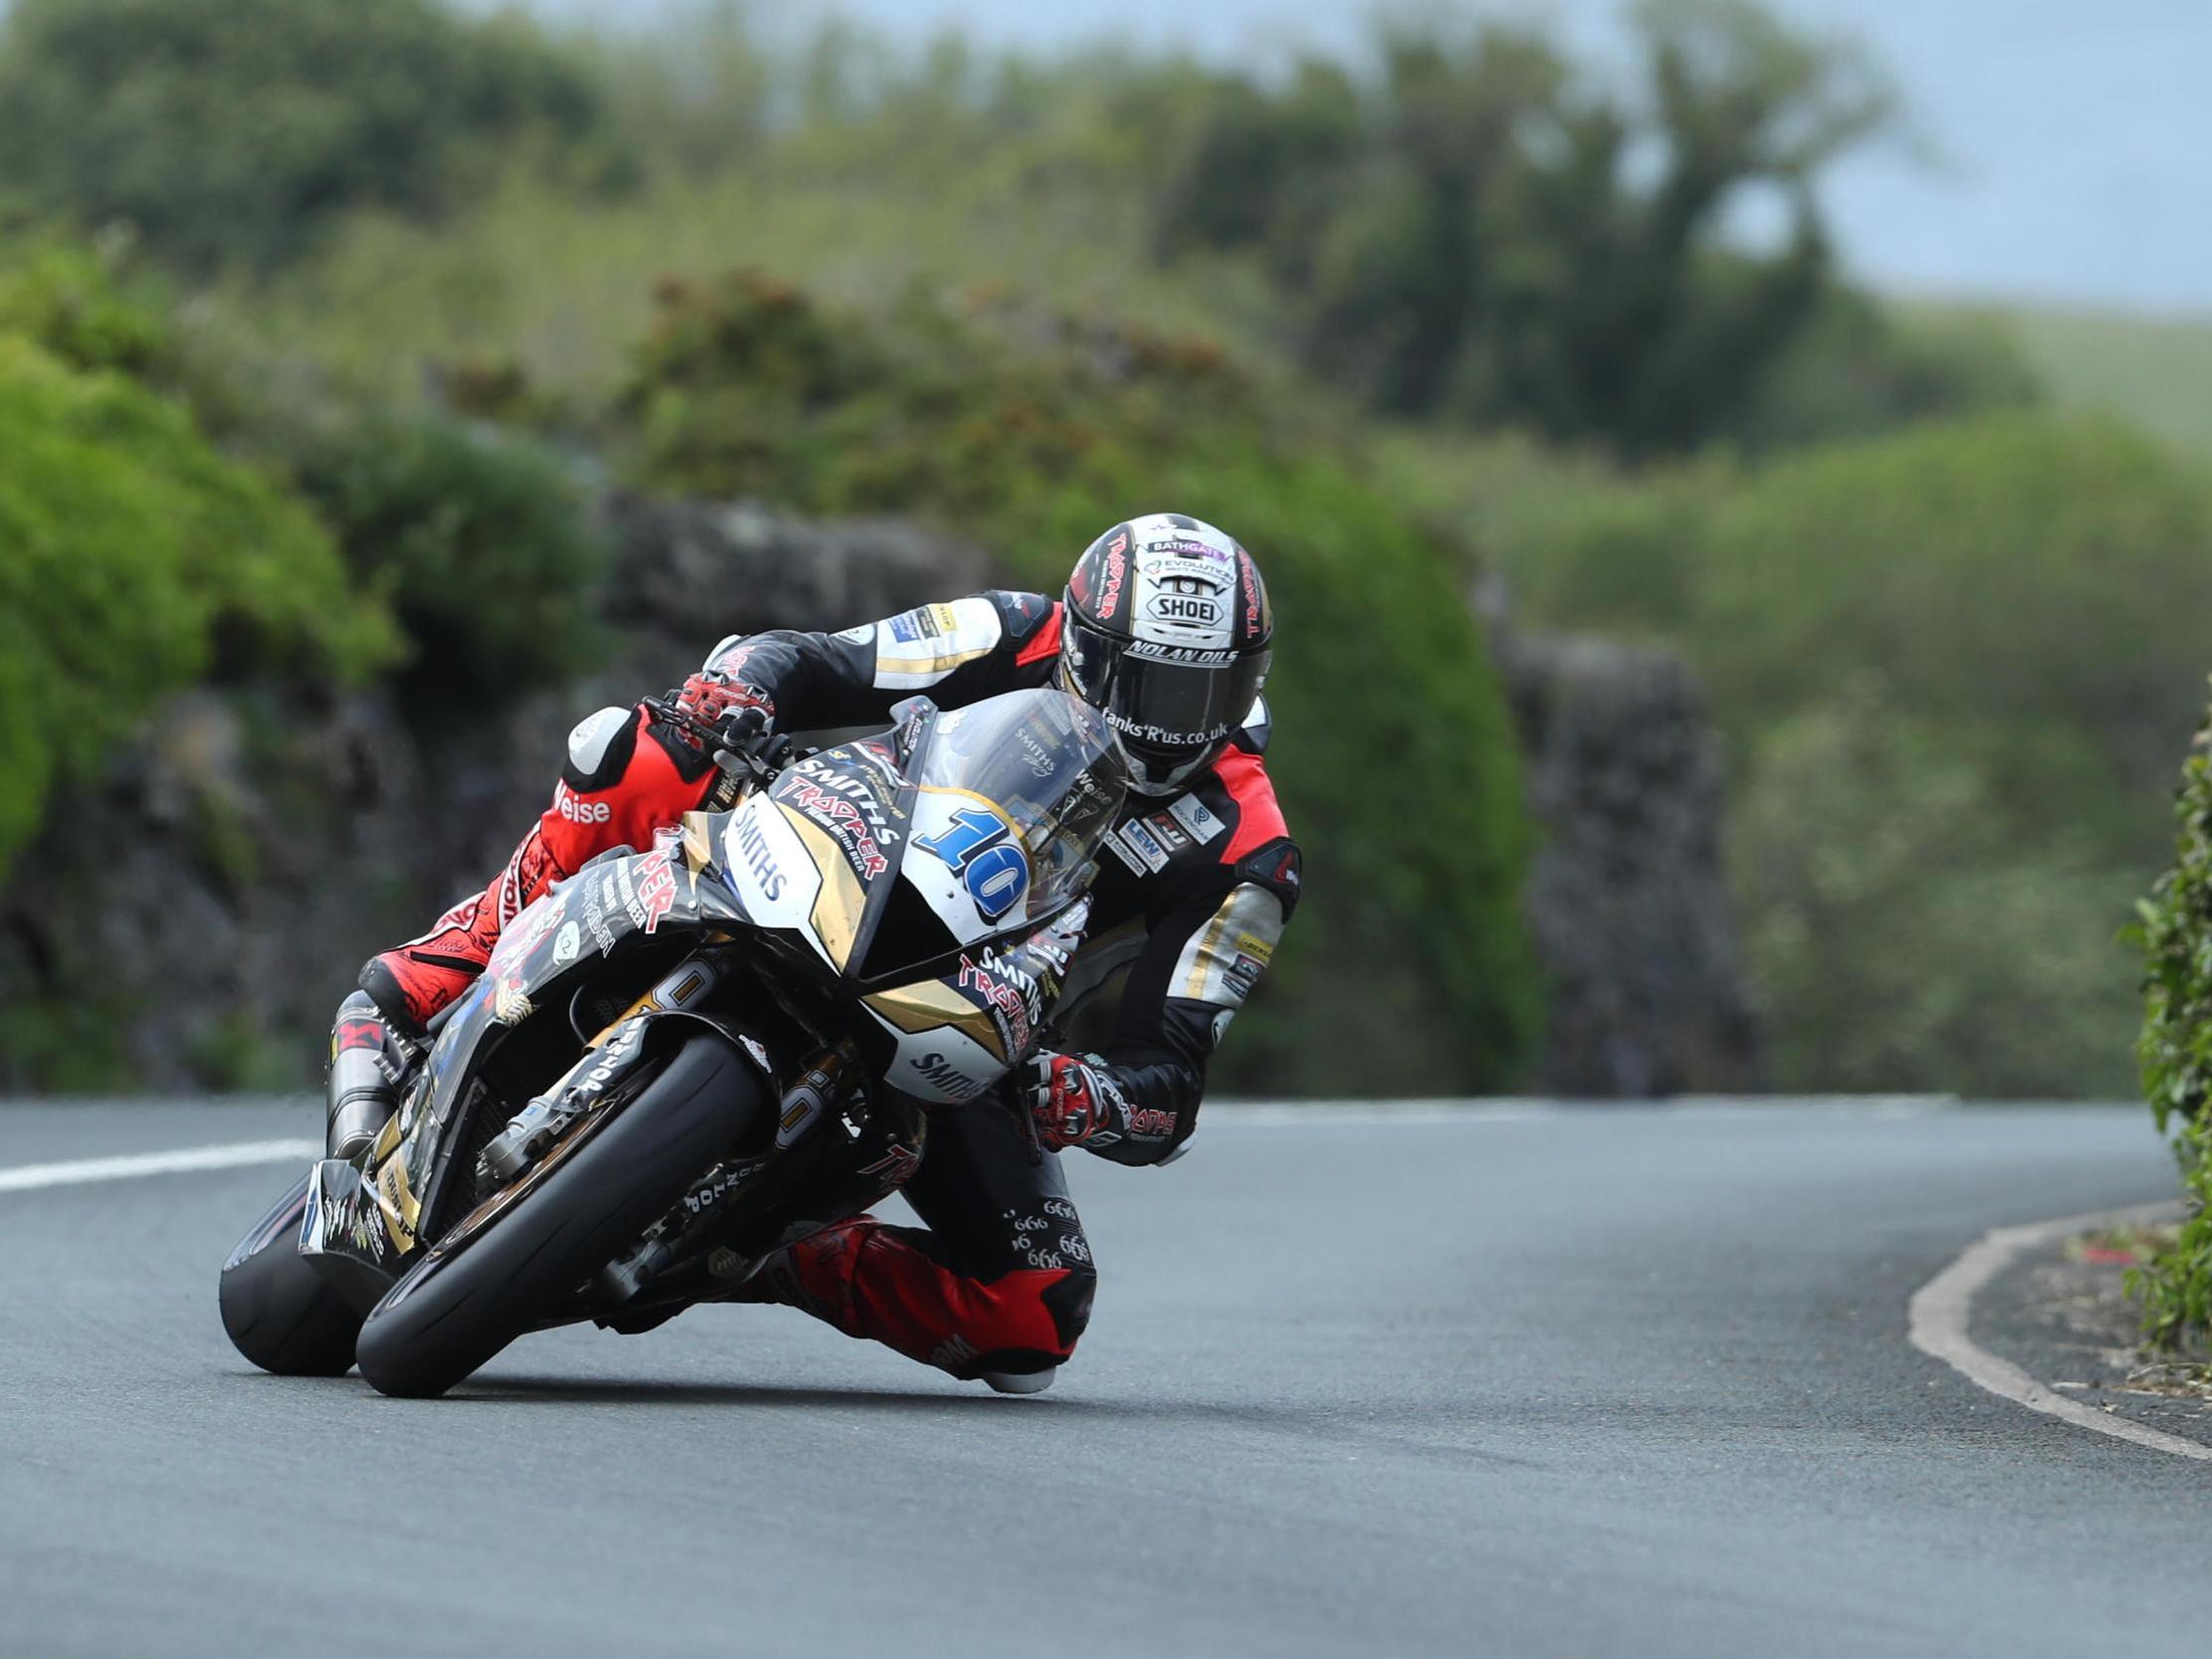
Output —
(1181, 706)
(1164, 699)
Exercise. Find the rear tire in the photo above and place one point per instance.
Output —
(280, 1312)
(451, 1314)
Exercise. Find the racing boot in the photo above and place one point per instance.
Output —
(412, 983)
(369, 1062)
(881, 1284)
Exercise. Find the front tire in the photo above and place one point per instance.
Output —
(280, 1312)
(452, 1313)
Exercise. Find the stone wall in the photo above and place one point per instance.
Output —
(192, 917)
(1626, 894)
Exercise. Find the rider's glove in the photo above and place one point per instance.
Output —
(712, 699)
(1073, 1101)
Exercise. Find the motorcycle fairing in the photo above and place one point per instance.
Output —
(612, 907)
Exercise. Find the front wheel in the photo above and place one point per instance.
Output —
(280, 1312)
(453, 1311)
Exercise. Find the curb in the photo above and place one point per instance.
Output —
(1939, 1311)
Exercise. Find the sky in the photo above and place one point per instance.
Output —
(2066, 146)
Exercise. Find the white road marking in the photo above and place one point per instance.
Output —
(1260, 1114)
(26, 1176)
(1940, 1309)
(1318, 1114)
(1511, 1109)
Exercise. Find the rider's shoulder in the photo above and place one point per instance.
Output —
(1221, 816)
(1020, 612)
(1253, 736)
(993, 622)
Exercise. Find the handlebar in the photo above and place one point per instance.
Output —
(753, 758)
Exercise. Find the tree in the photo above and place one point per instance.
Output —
(232, 133)
(1476, 229)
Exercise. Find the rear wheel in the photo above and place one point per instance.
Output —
(280, 1312)
(457, 1307)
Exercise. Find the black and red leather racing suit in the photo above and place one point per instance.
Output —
(1193, 894)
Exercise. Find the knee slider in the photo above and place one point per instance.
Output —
(1068, 1301)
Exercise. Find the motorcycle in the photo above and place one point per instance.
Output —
(679, 1060)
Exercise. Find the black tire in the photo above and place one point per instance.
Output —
(452, 1313)
(280, 1312)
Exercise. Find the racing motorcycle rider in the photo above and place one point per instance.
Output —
(1164, 627)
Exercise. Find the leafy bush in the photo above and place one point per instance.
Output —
(1903, 932)
(481, 546)
(1858, 367)
(2034, 583)
(65, 297)
(138, 562)
(1032, 434)
(2175, 931)
(231, 133)
(1949, 663)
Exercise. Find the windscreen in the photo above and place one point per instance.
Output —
(1050, 764)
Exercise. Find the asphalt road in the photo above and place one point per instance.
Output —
(1581, 1385)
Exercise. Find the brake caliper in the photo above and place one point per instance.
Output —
(532, 1131)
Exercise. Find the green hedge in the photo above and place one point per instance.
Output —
(1412, 969)
(2175, 931)
(134, 560)
(1950, 663)
(480, 541)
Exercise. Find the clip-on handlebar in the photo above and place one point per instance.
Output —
(752, 758)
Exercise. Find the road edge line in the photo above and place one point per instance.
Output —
(1938, 1312)
(31, 1177)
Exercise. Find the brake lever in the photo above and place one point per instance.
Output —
(1017, 1104)
(739, 763)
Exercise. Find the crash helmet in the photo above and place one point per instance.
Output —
(1165, 631)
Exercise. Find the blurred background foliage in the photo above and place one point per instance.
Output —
(309, 309)
(140, 560)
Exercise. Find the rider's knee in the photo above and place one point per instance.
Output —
(1067, 1298)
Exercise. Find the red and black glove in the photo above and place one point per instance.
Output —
(712, 698)
(1073, 1101)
